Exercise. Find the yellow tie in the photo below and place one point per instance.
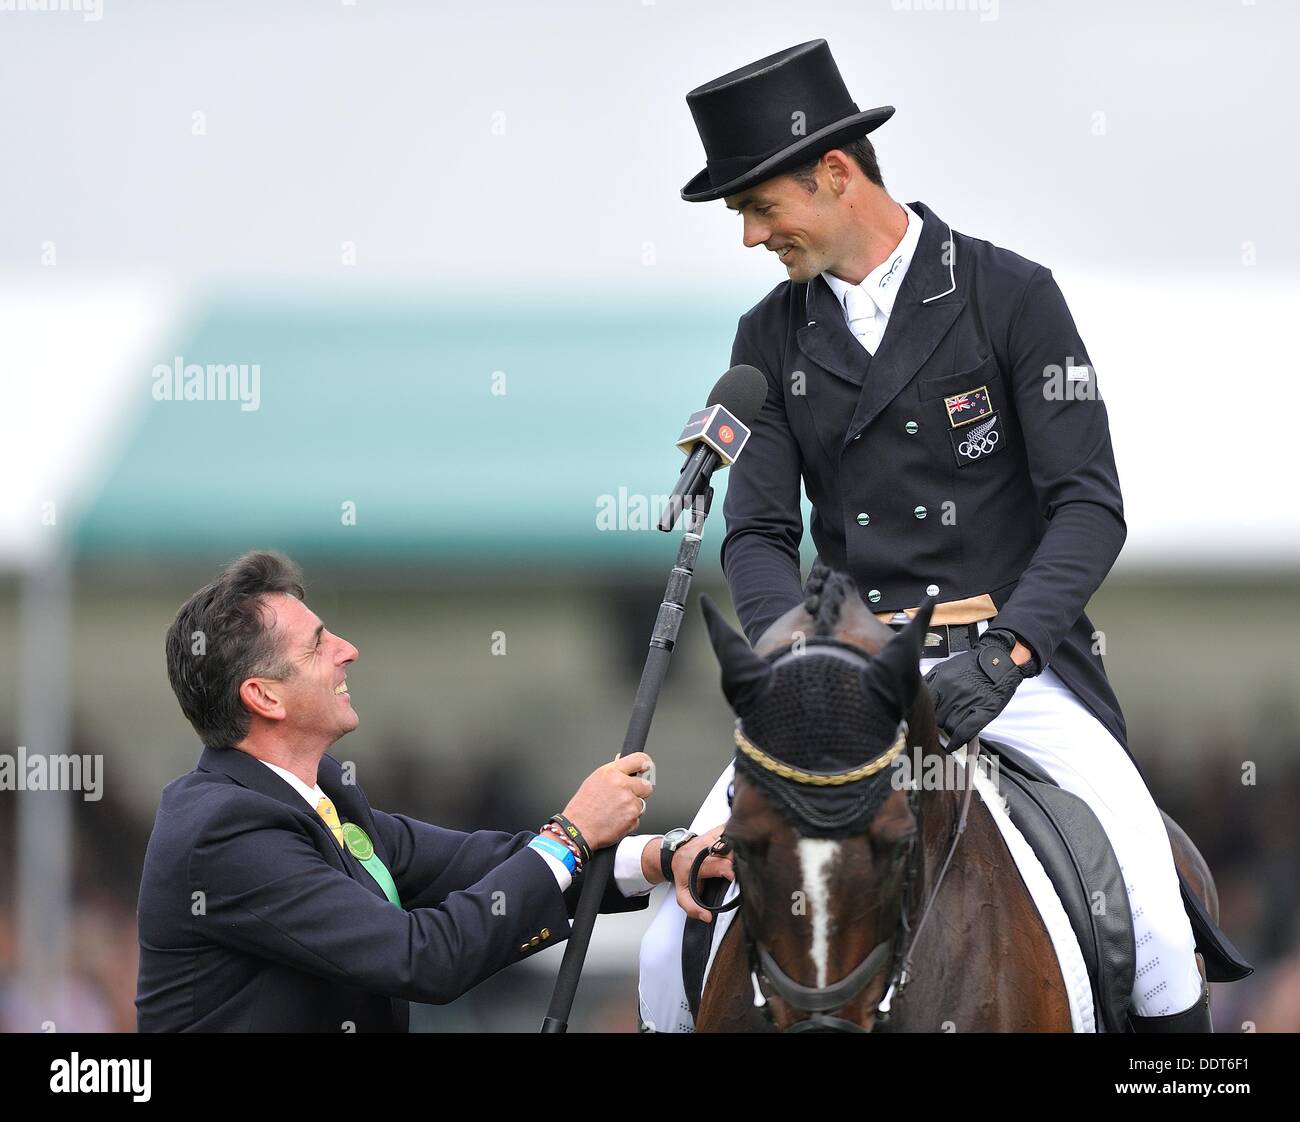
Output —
(326, 810)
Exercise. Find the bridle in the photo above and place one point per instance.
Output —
(896, 951)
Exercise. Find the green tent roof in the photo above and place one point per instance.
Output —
(519, 432)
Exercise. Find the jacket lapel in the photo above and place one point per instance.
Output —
(352, 807)
(827, 338)
(255, 775)
(927, 305)
(252, 773)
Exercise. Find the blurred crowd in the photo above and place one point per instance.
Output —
(1244, 822)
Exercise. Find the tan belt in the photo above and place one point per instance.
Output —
(970, 610)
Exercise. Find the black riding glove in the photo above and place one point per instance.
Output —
(972, 688)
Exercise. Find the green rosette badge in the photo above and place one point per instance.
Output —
(358, 842)
(363, 849)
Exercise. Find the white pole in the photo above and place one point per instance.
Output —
(44, 817)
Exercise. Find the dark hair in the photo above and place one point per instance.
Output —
(220, 637)
(861, 151)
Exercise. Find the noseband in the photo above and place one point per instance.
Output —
(896, 952)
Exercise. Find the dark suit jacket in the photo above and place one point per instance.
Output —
(253, 919)
(883, 447)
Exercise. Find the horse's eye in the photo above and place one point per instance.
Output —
(892, 854)
(902, 848)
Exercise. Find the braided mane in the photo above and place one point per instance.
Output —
(824, 596)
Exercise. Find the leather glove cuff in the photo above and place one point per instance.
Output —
(1009, 639)
(972, 688)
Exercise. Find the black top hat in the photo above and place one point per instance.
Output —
(773, 115)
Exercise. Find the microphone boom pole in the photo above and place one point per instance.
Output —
(601, 867)
(713, 437)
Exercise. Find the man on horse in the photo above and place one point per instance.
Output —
(933, 395)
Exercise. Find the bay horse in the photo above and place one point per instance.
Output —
(859, 910)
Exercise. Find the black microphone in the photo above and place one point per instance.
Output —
(715, 435)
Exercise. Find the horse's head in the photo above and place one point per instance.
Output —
(823, 834)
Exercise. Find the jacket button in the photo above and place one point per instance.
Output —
(863, 518)
(874, 595)
(534, 941)
(546, 932)
(911, 427)
(932, 590)
(919, 512)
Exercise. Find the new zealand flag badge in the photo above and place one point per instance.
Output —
(969, 406)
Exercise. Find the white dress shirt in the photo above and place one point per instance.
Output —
(867, 305)
(313, 795)
(627, 857)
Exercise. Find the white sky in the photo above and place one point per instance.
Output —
(1171, 233)
(372, 122)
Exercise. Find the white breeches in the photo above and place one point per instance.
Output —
(1048, 723)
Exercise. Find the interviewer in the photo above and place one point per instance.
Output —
(274, 898)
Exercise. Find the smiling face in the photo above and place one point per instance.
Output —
(313, 702)
(805, 230)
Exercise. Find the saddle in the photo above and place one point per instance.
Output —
(1073, 849)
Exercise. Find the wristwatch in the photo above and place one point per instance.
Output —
(673, 841)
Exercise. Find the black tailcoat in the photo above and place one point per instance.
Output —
(896, 452)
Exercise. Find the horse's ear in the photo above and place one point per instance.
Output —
(745, 675)
(895, 673)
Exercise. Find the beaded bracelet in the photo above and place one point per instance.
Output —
(551, 830)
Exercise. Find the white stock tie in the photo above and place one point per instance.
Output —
(862, 317)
